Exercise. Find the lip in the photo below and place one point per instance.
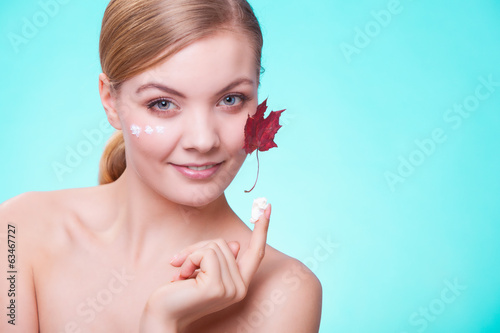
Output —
(197, 174)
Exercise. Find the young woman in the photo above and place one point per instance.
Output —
(156, 247)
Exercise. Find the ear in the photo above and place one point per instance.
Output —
(108, 100)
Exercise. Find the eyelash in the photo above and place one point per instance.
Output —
(151, 105)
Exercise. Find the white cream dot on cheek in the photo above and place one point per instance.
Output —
(136, 129)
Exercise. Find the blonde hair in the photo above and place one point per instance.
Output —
(136, 35)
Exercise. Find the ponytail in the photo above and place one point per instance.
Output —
(113, 161)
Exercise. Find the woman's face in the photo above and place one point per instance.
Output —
(189, 111)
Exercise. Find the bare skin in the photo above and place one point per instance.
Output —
(99, 259)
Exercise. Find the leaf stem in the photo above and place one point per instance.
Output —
(257, 154)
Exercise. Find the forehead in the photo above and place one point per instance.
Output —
(204, 66)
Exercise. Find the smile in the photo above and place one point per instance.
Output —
(198, 172)
(202, 167)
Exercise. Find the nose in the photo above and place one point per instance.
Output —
(200, 131)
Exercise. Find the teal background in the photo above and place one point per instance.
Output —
(383, 253)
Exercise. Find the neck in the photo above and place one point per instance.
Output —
(146, 220)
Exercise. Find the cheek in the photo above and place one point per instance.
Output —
(233, 131)
(150, 139)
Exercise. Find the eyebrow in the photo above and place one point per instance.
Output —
(164, 88)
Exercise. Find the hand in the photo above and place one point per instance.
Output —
(210, 279)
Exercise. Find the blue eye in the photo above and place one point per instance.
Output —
(231, 100)
(163, 104)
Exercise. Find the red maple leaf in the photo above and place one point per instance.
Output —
(260, 132)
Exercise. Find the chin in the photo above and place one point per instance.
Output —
(197, 196)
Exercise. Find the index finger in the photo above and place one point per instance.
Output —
(251, 259)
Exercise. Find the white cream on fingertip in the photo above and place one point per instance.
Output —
(258, 208)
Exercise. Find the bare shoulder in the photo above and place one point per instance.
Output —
(27, 213)
(41, 229)
(18, 222)
(42, 213)
(281, 270)
(32, 203)
(284, 296)
(26, 208)
(291, 290)
(23, 208)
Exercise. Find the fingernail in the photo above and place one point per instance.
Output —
(268, 212)
(173, 258)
